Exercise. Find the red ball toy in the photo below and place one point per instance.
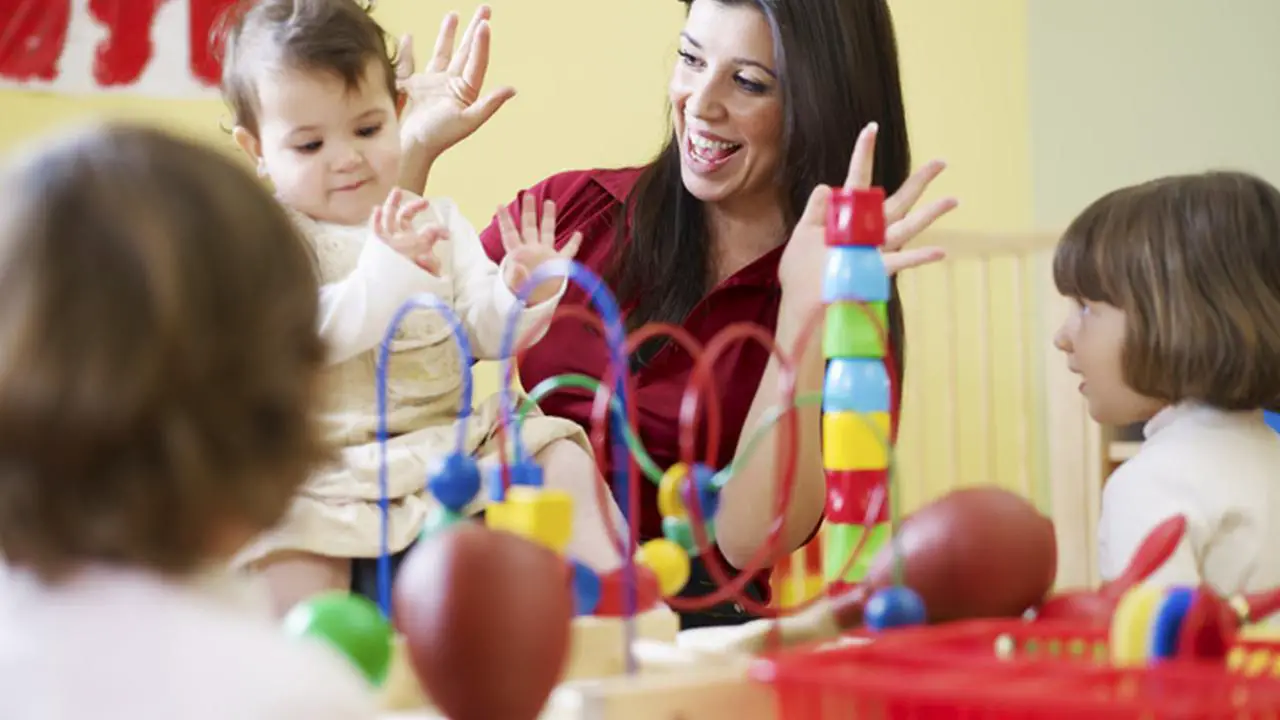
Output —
(486, 616)
(974, 553)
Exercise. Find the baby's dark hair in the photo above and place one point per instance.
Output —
(158, 355)
(339, 37)
(1194, 263)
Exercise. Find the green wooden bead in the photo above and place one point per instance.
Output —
(840, 540)
(439, 518)
(680, 531)
(855, 330)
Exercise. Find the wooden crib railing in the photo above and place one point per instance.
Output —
(988, 399)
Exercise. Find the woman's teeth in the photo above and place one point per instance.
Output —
(711, 150)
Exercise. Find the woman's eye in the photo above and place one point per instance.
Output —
(751, 86)
(689, 59)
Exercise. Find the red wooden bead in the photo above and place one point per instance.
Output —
(856, 217)
(849, 495)
(615, 592)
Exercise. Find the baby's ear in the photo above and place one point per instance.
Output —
(251, 147)
(247, 142)
(402, 99)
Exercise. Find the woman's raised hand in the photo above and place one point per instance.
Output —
(442, 103)
(805, 254)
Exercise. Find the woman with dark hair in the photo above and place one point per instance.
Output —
(726, 226)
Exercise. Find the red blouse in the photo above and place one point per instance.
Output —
(589, 202)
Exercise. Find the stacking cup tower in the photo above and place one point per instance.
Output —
(856, 403)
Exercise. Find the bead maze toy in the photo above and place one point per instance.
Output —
(495, 621)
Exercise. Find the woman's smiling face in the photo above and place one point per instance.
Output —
(727, 103)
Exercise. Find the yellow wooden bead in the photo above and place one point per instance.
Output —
(542, 515)
(669, 563)
(855, 441)
(670, 502)
(1131, 625)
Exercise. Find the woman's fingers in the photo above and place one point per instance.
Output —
(815, 211)
(900, 203)
(862, 162)
(895, 262)
(900, 233)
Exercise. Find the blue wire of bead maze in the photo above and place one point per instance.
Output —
(425, 301)
(606, 305)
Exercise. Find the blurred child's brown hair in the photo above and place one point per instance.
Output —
(1194, 263)
(158, 355)
(338, 37)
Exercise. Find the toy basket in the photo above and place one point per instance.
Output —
(1256, 656)
(993, 670)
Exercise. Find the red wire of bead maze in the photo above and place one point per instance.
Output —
(701, 379)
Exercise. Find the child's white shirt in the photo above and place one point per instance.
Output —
(118, 644)
(364, 284)
(1221, 470)
(356, 311)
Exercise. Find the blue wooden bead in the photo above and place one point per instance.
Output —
(855, 273)
(455, 482)
(856, 385)
(522, 473)
(704, 482)
(1166, 626)
(891, 607)
(586, 589)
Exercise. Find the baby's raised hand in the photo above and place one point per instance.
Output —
(532, 245)
(442, 102)
(392, 222)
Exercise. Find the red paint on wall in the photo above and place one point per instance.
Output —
(32, 36)
(206, 20)
(123, 56)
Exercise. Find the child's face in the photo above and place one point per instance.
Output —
(332, 153)
(1092, 336)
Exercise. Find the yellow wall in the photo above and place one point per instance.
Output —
(965, 71)
(1158, 87)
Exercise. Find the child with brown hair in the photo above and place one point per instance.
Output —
(1177, 325)
(313, 91)
(157, 386)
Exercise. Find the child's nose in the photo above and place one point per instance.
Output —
(1062, 339)
(347, 159)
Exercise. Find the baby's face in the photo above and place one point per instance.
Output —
(333, 153)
